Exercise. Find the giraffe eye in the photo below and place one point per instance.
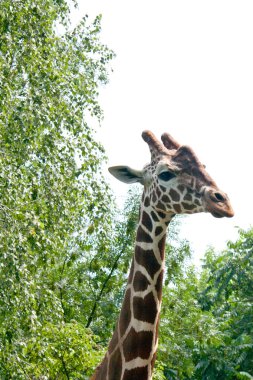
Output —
(166, 176)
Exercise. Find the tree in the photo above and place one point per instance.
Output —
(95, 282)
(206, 321)
(227, 293)
(52, 187)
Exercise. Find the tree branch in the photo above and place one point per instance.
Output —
(98, 298)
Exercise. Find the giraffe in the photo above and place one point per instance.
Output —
(175, 182)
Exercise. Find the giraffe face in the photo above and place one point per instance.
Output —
(172, 190)
(175, 181)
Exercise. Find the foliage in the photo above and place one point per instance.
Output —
(228, 295)
(52, 187)
(55, 352)
(185, 328)
(94, 286)
(109, 269)
(206, 323)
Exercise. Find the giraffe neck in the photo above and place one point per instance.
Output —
(132, 349)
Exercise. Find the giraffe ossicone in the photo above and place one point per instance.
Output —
(175, 182)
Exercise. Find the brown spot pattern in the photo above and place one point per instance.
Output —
(143, 236)
(140, 282)
(158, 230)
(159, 285)
(125, 315)
(147, 202)
(145, 308)
(154, 198)
(114, 341)
(165, 199)
(188, 206)
(174, 195)
(101, 370)
(160, 205)
(115, 370)
(181, 188)
(137, 344)
(158, 192)
(147, 221)
(139, 373)
(177, 208)
(161, 246)
(154, 216)
(161, 214)
(147, 259)
(188, 197)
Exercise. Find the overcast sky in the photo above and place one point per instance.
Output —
(185, 67)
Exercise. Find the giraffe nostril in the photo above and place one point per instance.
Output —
(219, 197)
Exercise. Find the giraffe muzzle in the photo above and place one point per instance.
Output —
(218, 203)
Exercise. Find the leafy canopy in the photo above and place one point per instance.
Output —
(52, 187)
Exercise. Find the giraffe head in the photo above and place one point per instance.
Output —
(175, 181)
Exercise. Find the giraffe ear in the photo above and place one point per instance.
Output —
(126, 174)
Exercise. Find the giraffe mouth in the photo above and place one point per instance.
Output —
(217, 215)
(221, 212)
(217, 203)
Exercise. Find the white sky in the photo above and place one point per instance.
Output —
(184, 67)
